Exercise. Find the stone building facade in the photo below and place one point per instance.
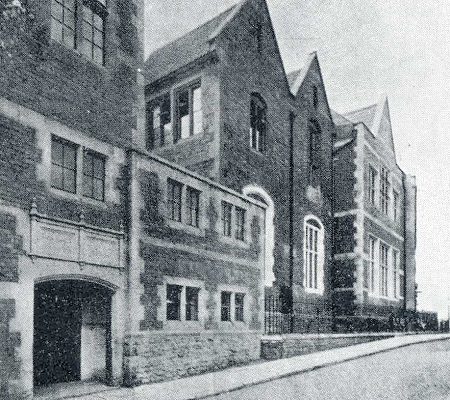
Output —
(144, 220)
(375, 225)
(220, 103)
(84, 216)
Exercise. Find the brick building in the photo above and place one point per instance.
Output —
(375, 224)
(142, 220)
(115, 266)
(220, 103)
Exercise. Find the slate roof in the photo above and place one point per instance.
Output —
(365, 115)
(292, 76)
(188, 48)
(296, 78)
(339, 119)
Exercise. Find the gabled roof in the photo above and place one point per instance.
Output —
(188, 48)
(365, 115)
(296, 78)
(339, 119)
(377, 118)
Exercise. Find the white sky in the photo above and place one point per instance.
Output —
(367, 48)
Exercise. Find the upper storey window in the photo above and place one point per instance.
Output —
(372, 185)
(80, 24)
(314, 153)
(93, 175)
(64, 165)
(63, 22)
(384, 191)
(315, 97)
(189, 112)
(94, 31)
(159, 121)
(67, 159)
(258, 123)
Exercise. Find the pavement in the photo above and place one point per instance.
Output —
(229, 380)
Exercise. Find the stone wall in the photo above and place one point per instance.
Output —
(163, 356)
(173, 252)
(296, 345)
(9, 363)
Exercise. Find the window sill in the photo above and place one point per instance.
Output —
(171, 145)
(230, 240)
(257, 152)
(101, 67)
(315, 291)
(78, 197)
(181, 226)
(183, 326)
(232, 326)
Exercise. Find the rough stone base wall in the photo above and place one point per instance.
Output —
(9, 364)
(295, 345)
(161, 356)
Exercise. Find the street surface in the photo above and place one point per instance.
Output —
(417, 372)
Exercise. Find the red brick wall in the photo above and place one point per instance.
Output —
(19, 182)
(244, 70)
(60, 83)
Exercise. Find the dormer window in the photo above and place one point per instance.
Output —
(189, 112)
(258, 123)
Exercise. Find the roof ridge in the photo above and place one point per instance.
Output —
(359, 109)
(217, 16)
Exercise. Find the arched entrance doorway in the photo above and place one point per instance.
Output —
(261, 195)
(72, 332)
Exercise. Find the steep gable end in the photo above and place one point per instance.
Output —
(311, 73)
(249, 15)
(365, 115)
(188, 48)
(377, 119)
(383, 126)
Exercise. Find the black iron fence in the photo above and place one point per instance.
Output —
(277, 320)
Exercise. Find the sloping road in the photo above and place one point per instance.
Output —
(417, 372)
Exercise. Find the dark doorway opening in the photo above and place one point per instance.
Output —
(72, 332)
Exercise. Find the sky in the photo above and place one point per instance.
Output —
(368, 49)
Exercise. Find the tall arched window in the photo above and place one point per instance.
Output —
(314, 153)
(258, 123)
(313, 262)
(269, 242)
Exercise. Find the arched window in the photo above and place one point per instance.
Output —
(258, 123)
(313, 262)
(315, 97)
(314, 153)
(261, 195)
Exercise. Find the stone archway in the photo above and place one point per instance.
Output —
(261, 195)
(72, 332)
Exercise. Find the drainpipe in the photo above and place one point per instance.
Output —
(291, 217)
